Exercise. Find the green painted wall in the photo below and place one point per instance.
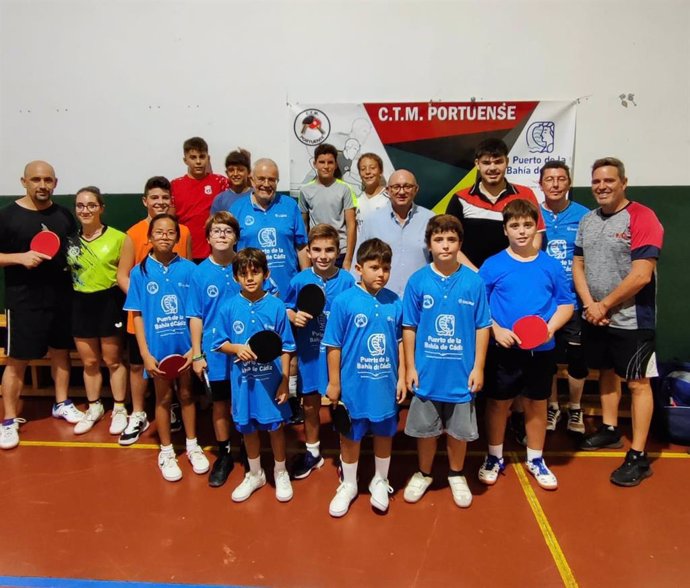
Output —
(671, 204)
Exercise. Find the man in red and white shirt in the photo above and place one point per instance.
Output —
(193, 194)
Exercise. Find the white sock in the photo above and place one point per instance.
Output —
(191, 443)
(574, 406)
(496, 450)
(533, 454)
(381, 466)
(292, 386)
(254, 465)
(349, 472)
(167, 448)
(313, 448)
(279, 466)
(554, 405)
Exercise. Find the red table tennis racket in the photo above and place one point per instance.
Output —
(45, 242)
(171, 365)
(532, 331)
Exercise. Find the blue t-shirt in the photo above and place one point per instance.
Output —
(161, 296)
(561, 230)
(226, 199)
(311, 357)
(520, 288)
(446, 312)
(254, 385)
(367, 329)
(277, 231)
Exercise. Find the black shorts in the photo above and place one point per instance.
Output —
(31, 332)
(133, 353)
(220, 391)
(630, 353)
(98, 314)
(569, 349)
(516, 372)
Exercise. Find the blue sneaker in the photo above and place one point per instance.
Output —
(542, 474)
(491, 468)
(305, 464)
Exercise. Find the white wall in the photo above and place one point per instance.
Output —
(108, 90)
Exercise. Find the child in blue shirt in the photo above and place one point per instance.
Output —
(445, 335)
(259, 390)
(158, 291)
(322, 251)
(521, 281)
(365, 371)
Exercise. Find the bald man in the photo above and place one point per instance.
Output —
(38, 294)
(402, 224)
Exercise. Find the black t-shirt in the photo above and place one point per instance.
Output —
(49, 284)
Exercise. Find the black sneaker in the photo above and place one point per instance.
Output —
(305, 464)
(297, 417)
(635, 468)
(517, 424)
(221, 470)
(602, 438)
(175, 418)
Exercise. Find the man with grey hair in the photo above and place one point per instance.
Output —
(38, 295)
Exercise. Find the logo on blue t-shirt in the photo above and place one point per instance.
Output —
(377, 344)
(212, 291)
(249, 220)
(427, 301)
(152, 287)
(169, 304)
(361, 320)
(267, 237)
(445, 325)
(238, 327)
(557, 249)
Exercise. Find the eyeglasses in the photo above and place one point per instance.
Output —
(90, 206)
(218, 232)
(160, 234)
(402, 187)
(263, 180)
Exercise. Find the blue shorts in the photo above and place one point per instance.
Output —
(253, 426)
(385, 428)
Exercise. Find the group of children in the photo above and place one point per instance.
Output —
(368, 349)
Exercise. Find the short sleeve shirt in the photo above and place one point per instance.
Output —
(327, 204)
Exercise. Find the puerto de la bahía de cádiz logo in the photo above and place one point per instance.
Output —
(312, 126)
(540, 136)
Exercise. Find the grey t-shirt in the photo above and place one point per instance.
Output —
(327, 204)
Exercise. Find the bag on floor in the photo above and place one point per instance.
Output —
(673, 402)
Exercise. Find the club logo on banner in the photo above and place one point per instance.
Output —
(434, 140)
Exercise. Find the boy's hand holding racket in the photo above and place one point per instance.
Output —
(504, 337)
(311, 301)
(301, 318)
(333, 393)
(245, 353)
(199, 366)
(151, 365)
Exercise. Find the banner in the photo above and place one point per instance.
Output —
(434, 140)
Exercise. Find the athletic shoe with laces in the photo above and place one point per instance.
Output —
(462, 496)
(635, 468)
(344, 496)
(379, 488)
(283, 486)
(167, 462)
(248, 486)
(416, 487)
(602, 438)
(92, 415)
(136, 425)
(553, 416)
(175, 418)
(66, 410)
(305, 464)
(490, 469)
(9, 434)
(198, 459)
(576, 423)
(118, 420)
(542, 474)
(221, 470)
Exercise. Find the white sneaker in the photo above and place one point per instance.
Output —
(9, 434)
(416, 487)
(542, 474)
(344, 496)
(461, 491)
(199, 461)
(249, 485)
(92, 415)
(283, 486)
(167, 462)
(379, 489)
(118, 420)
(490, 470)
(68, 411)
